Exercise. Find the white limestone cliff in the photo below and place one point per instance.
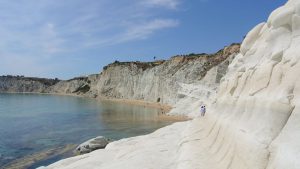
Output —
(253, 121)
(19, 84)
(156, 81)
(160, 81)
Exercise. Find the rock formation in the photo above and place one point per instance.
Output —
(93, 144)
(160, 81)
(25, 84)
(149, 81)
(252, 121)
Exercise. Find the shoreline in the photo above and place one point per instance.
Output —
(38, 157)
(33, 159)
(165, 108)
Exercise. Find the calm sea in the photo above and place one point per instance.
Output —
(30, 123)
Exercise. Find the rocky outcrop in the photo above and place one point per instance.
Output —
(26, 84)
(75, 86)
(262, 92)
(99, 142)
(160, 81)
(78, 85)
(157, 81)
(254, 119)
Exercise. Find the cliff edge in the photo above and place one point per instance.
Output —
(157, 81)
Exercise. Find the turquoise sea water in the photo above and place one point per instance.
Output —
(30, 123)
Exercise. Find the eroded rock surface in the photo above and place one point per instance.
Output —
(99, 142)
(160, 81)
(156, 81)
(25, 84)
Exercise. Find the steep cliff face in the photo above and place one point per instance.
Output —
(262, 91)
(157, 81)
(79, 86)
(76, 86)
(25, 84)
(160, 81)
(254, 120)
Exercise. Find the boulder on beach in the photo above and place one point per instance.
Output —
(99, 142)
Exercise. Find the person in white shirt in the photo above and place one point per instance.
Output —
(203, 110)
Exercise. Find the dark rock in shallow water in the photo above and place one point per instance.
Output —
(45, 157)
(99, 142)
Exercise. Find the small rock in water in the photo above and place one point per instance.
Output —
(9, 158)
(99, 142)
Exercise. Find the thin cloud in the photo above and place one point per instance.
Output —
(147, 29)
(51, 42)
(45, 31)
(171, 4)
(140, 31)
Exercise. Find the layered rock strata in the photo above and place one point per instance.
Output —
(157, 81)
(160, 81)
(25, 84)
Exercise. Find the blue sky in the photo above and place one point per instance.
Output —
(67, 38)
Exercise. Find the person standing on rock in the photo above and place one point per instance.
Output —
(203, 110)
